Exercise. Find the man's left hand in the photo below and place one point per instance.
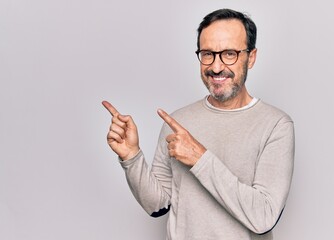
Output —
(181, 144)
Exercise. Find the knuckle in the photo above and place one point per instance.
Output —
(113, 128)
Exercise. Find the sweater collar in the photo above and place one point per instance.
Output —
(249, 105)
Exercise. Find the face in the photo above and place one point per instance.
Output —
(224, 82)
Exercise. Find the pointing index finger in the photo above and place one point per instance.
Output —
(113, 111)
(172, 123)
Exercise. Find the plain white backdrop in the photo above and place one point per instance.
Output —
(60, 59)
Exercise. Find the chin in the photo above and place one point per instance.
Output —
(223, 96)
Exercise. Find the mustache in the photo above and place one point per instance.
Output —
(223, 73)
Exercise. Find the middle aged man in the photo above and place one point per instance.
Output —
(223, 165)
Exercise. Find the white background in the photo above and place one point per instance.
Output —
(60, 59)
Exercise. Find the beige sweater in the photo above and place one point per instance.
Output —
(239, 187)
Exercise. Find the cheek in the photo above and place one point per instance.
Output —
(238, 71)
(203, 69)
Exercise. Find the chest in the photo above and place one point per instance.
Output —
(237, 145)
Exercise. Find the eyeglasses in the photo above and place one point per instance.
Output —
(228, 56)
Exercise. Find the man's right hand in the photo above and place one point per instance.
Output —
(123, 135)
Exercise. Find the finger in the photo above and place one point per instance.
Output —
(113, 111)
(116, 120)
(128, 121)
(169, 147)
(174, 125)
(112, 137)
(172, 153)
(117, 129)
(170, 138)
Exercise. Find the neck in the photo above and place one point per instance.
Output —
(242, 99)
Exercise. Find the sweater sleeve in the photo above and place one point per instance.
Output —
(150, 187)
(258, 207)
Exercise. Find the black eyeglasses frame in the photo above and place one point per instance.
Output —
(220, 55)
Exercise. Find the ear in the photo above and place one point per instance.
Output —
(252, 58)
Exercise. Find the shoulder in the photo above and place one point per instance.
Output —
(268, 111)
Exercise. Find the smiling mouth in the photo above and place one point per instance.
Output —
(219, 78)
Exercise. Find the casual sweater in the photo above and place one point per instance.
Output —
(238, 188)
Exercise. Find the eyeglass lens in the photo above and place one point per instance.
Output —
(228, 57)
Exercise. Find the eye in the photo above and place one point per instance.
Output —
(230, 54)
(206, 54)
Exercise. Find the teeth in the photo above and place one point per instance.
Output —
(219, 78)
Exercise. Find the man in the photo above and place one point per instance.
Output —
(223, 165)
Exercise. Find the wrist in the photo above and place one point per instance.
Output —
(130, 155)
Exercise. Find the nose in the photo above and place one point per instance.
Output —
(217, 65)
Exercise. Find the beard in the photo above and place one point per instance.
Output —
(228, 92)
(224, 96)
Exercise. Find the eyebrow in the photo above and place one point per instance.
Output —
(220, 50)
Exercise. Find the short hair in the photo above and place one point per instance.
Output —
(228, 14)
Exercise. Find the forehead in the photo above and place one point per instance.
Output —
(224, 34)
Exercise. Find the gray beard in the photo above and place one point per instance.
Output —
(226, 97)
(223, 97)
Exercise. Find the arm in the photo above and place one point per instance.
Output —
(258, 206)
(150, 188)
